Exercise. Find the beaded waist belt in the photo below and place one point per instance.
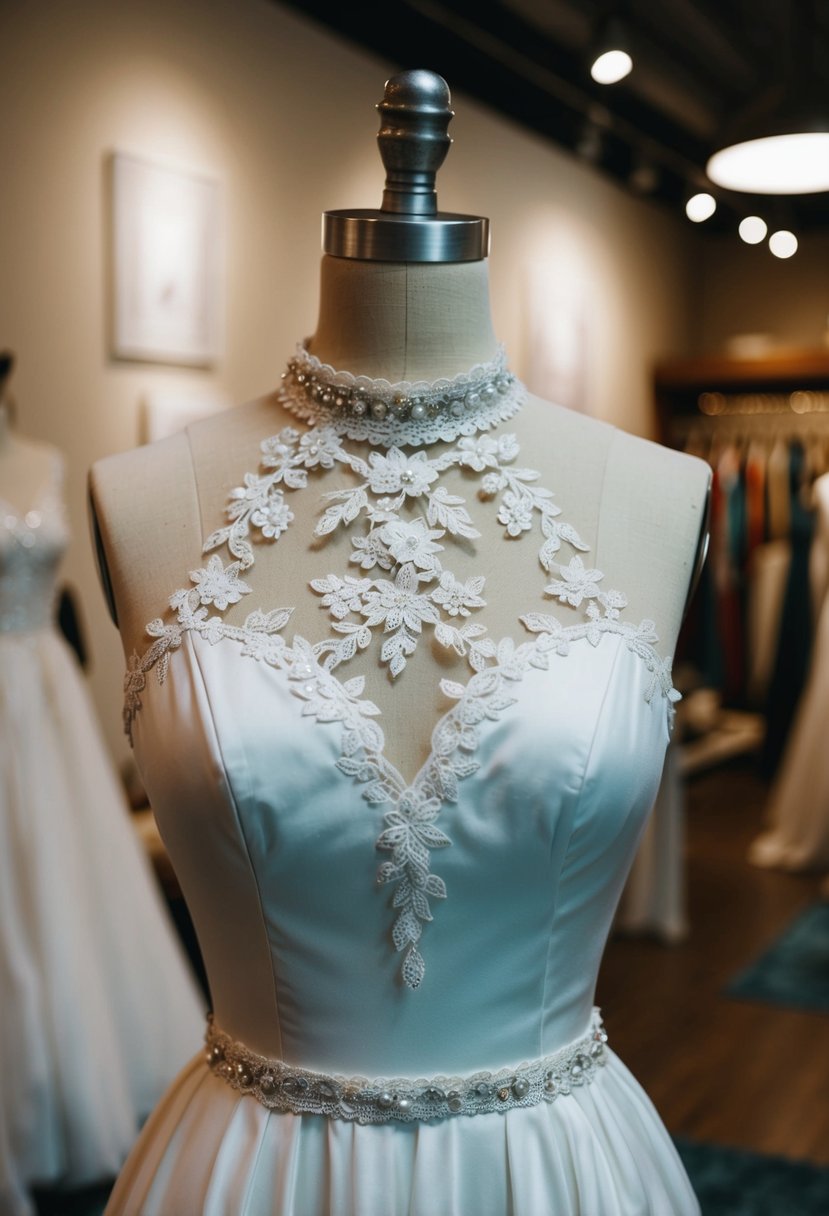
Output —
(282, 1087)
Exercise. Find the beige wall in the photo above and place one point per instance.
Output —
(746, 290)
(282, 114)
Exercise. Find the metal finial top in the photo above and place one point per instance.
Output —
(413, 141)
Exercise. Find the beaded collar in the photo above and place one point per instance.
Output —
(405, 413)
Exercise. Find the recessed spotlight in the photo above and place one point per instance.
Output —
(783, 243)
(753, 230)
(700, 207)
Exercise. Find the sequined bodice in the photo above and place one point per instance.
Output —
(32, 544)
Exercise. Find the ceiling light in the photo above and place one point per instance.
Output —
(796, 163)
(752, 229)
(611, 56)
(611, 66)
(783, 243)
(780, 143)
(700, 207)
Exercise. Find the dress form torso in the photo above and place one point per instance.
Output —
(637, 506)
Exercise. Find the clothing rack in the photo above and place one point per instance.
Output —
(763, 425)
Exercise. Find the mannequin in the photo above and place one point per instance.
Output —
(90, 971)
(223, 761)
(26, 466)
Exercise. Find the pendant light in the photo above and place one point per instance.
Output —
(610, 55)
(780, 145)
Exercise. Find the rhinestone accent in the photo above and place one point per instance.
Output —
(401, 413)
(285, 1088)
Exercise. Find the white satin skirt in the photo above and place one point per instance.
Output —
(599, 1151)
(97, 1008)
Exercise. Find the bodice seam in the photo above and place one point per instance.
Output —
(573, 821)
(231, 795)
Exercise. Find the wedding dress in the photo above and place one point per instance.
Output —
(97, 1009)
(403, 969)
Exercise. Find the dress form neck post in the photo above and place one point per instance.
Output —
(403, 320)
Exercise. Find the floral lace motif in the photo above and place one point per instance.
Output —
(283, 1087)
(413, 590)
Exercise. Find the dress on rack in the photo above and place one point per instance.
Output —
(97, 1008)
(403, 970)
(797, 837)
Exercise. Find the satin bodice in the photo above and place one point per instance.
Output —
(32, 544)
(273, 846)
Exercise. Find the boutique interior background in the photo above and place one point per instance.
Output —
(584, 190)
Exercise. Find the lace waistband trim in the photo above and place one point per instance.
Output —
(284, 1088)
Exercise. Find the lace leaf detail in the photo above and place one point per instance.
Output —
(447, 511)
(343, 512)
(417, 592)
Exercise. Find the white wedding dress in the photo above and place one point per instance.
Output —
(403, 972)
(97, 1008)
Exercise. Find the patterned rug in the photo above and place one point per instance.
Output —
(794, 971)
(733, 1182)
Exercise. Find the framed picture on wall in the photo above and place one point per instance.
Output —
(167, 288)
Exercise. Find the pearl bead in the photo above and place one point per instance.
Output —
(456, 409)
(407, 477)
(418, 410)
(473, 400)
(404, 1104)
(488, 393)
(385, 1100)
(521, 1087)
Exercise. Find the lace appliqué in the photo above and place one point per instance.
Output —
(418, 592)
(215, 585)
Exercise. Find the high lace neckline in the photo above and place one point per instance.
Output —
(404, 413)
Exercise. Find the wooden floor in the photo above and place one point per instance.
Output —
(738, 1073)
